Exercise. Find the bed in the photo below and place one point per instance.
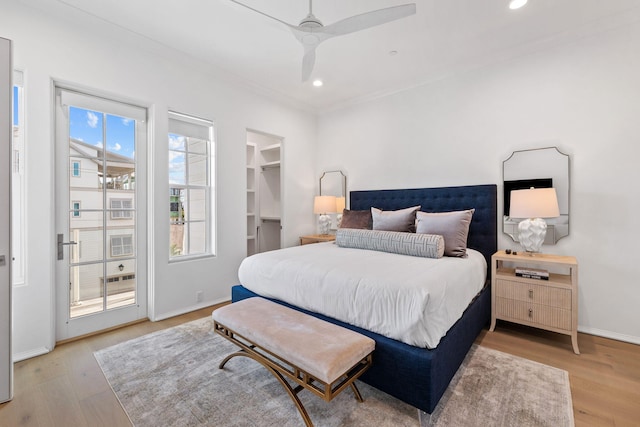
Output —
(415, 374)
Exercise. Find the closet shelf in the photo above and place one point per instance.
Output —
(272, 147)
(271, 165)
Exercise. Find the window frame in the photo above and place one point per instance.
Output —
(18, 178)
(200, 130)
(75, 212)
(73, 169)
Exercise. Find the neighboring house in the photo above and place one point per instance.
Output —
(87, 177)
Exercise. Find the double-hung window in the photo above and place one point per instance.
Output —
(125, 204)
(191, 195)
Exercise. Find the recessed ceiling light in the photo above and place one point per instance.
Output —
(317, 83)
(516, 4)
(393, 52)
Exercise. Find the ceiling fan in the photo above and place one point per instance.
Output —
(311, 32)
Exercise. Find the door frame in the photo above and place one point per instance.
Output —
(62, 331)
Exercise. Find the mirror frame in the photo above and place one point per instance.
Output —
(343, 185)
(557, 227)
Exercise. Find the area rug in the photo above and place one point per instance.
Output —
(171, 378)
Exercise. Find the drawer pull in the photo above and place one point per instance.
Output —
(530, 312)
(531, 293)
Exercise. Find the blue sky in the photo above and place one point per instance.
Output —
(15, 105)
(87, 126)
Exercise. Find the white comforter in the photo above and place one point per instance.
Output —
(410, 299)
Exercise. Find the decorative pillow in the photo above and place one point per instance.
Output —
(422, 245)
(400, 220)
(453, 226)
(356, 219)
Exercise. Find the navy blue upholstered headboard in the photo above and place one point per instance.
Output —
(483, 231)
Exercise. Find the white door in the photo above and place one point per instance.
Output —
(6, 361)
(101, 259)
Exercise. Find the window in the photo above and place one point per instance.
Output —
(116, 204)
(122, 245)
(18, 190)
(76, 209)
(75, 169)
(191, 201)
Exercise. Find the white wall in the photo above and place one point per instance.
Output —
(81, 51)
(583, 98)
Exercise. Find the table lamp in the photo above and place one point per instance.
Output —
(323, 205)
(533, 204)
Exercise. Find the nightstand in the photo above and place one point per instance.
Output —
(317, 238)
(546, 304)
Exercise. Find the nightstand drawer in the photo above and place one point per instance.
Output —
(534, 293)
(510, 309)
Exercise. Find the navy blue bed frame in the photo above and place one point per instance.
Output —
(419, 376)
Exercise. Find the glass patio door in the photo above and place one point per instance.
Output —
(100, 213)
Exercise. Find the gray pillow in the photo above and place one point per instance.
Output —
(400, 220)
(421, 245)
(453, 226)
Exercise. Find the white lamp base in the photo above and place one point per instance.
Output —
(324, 223)
(531, 233)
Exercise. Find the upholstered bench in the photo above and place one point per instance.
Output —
(316, 355)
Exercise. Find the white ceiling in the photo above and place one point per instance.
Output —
(444, 37)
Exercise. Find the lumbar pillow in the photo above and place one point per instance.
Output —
(400, 220)
(453, 226)
(356, 219)
(422, 245)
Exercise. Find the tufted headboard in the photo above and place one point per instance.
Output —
(483, 231)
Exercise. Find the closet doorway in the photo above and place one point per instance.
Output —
(264, 189)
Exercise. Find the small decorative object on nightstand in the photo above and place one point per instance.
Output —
(317, 238)
(550, 303)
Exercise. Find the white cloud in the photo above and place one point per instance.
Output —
(99, 144)
(126, 121)
(116, 147)
(176, 142)
(92, 119)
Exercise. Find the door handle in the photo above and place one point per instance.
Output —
(62, 244)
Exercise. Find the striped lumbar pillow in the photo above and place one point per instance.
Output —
(422, 245)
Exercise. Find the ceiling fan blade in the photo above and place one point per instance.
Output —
(369, 19)
(263, 14)
(308, 61)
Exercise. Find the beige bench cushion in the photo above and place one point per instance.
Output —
(320, 348)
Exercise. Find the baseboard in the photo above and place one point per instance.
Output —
(163, 316)
(18, 357)
(611, 335)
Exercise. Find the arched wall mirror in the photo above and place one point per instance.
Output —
(539, 168)
(334, 183)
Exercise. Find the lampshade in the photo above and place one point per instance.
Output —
(324, 204)
(340, 204)
(534, 203)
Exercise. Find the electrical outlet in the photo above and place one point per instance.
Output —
(199, 296)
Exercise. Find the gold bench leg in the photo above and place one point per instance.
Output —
(356, 392)
(285, 384)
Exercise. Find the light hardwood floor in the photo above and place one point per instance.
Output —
(67, 388)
